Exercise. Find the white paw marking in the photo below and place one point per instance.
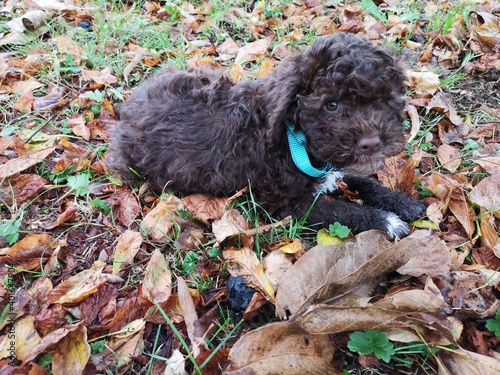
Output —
(396, 227)
(329, 185)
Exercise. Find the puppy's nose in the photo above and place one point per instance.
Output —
(369, 144)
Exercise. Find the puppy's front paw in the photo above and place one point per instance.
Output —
(395, 226)
(412, 209)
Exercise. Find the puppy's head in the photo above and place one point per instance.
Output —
(347, 97)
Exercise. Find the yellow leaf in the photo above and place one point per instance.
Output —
(323, 238)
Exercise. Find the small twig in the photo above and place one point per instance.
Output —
(51, 118)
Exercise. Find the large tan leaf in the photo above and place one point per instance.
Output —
(157, 283)
(244, 263)
(282, 348)
(22, 339)
(31, 242)
(24, 162)
(103, 77)
(327, 273)
(160, 221)
(72, 353)
(424, 82)
(487, 193)
(464, 362)
(80, 286)
(127, 247)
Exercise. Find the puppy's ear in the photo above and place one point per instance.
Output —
(282, 89)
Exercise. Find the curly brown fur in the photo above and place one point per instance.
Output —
(196, 131)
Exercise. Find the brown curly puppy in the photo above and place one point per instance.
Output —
(333, 111)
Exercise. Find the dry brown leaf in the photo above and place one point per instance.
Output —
(25, 337)
(205, 207)
(67, 45)
(157, 283)
(160, 221)
(464, 362)
(80, 286)
(449, 157)
(122, 348)
(230, 224)
(284, 348)
(78, 127)
(488, 36)
(415, 122)
(424, 82)
(72, 353)
(275, 264)
(24, 162)
(252, 51)
(30, 242)
(49, 341)
(487, 193)
(50, 101)
(244, 263)
(127, 247)
(190, 315)
(327, 273)
(21, 188)
(443, 102)
(69, 212)
(462, 210)
(103, 77)
(125, 206)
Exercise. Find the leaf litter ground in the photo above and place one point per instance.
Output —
(99, 276)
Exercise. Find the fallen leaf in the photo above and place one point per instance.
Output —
(487, 193)
(160, 221)
(275, 264)
(72, 353)
(464, 362)
(244, 263)
(103, 77)
(190, 315)
(424, 82)
(231, 223)
(252, 51)
(292, 247)
(24, 162)
(78, 127)
(327, 273)
(175, 364)
(205, 207)
(21, 188)
(22, 338)
(157, 282)
(122, 347)
(67, 45)
(80, 286)
(449, 157)
(127, 247)
(33, 241)
(284, 348)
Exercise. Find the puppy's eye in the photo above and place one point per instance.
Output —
(332, 106)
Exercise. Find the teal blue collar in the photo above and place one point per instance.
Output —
(296, 139)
